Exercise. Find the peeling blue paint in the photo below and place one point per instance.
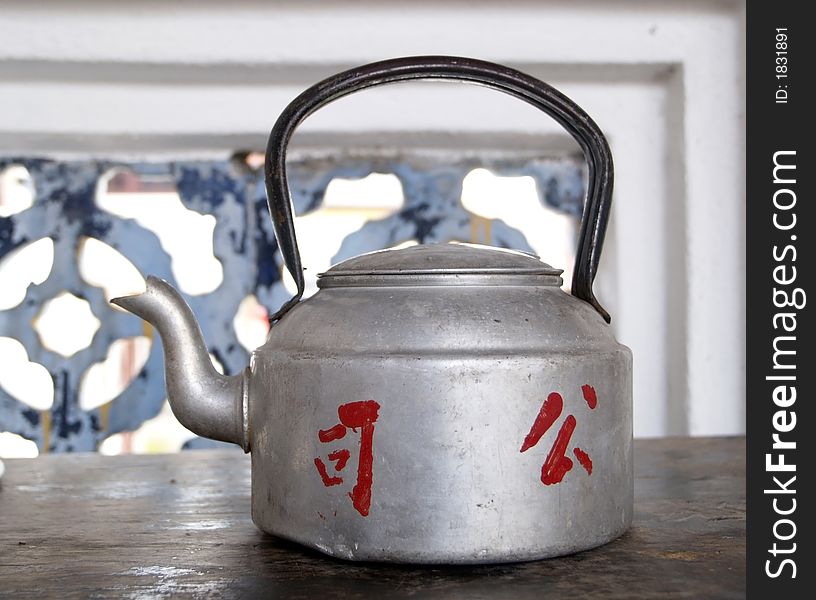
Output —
(65, 210)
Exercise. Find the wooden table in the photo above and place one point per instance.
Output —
(85, 525)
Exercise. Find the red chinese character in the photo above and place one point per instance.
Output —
(557, 464)
(353, 415)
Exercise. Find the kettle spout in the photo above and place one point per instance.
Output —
(204, 401)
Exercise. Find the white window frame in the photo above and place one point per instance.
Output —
(664, 79)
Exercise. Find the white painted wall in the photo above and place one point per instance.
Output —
(664, 79)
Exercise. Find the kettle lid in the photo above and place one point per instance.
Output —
(442, 264)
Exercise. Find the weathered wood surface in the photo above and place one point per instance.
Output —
(78, 525)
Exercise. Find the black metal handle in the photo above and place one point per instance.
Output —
(531, 90)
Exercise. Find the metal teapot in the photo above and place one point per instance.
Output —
(432, 404)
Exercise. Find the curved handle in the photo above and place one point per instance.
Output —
(531, 90)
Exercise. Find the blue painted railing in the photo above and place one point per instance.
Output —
(66, 211)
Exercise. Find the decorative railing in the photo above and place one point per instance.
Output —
(65, 210)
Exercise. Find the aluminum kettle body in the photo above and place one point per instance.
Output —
(435, 404)
(469, 428)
